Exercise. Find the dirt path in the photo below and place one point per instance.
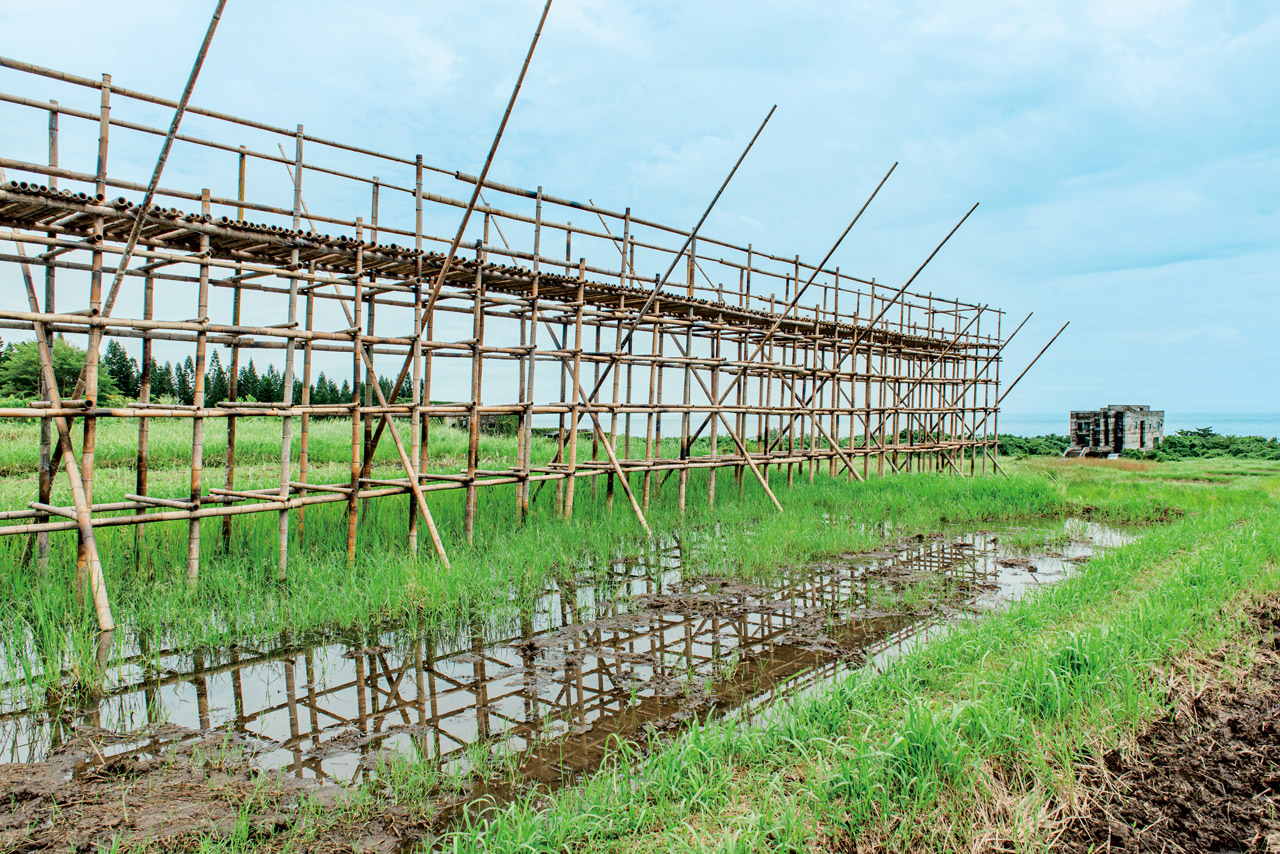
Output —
(1205, 778)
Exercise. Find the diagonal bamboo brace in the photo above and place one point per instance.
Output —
(84, 516)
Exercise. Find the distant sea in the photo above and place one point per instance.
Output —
(1266, 424)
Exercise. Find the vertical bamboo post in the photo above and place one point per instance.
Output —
(766, 402)
(816, 406)
(716, 343)
(416, 447)
(290, 347)
(144, 424)
(357, 415)
(897, 392)
(473, 419)
(615, 371)
(564, 380)
(44, 490)
(234, 371)
(686, 401)
(993, 430)
(693, 256)
(575, 412)
(304, 451)
(627, 270)
(791, 420)
(595, 385)
(197, 422)
(90, 426)
(626, 440)
(790, 392)
(371, 376)
(836, 363)
(371, 308)
(526, 414)
(659, 333)
(969, 415)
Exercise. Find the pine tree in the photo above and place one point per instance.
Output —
(122, 369)
(271, 386)
(247, 384)
(184, 382)
(162, 384)
(216, 387)
(320, 392)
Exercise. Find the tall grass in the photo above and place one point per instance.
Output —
(972, 734)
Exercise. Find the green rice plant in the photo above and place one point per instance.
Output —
(897, 754)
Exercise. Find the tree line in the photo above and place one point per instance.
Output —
(120, 376)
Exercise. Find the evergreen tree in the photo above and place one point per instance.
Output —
(184, 382)
(162, 384)
(216, 386)
(123, 369)
(320, 392)
(271, 386)
(247, 384)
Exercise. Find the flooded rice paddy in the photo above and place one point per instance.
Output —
(539, 702)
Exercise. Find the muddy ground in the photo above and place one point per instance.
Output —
(1206, 778)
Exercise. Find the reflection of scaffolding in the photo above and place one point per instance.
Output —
(643, 652)
(860, 378)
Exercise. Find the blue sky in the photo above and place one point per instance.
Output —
(1126, 154)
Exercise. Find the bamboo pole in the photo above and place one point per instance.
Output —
(45, 487)
(286, 422)
(233, 377)
(579, 305)
(90, 369)
(144, 433)
(616, 356)
(197, 423)
(79, 497)
(473, 416)
(417, 448)
(304, 450)
(526, 417)
(357, 366)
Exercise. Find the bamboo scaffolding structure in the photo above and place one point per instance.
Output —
(794, 366)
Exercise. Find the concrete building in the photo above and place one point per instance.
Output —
(1113, 429)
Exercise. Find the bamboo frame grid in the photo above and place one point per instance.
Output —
(584, 341)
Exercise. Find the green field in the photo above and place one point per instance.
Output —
(971, 739)
(46, 631)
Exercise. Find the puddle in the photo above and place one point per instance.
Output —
(634, 658)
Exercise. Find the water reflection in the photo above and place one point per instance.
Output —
(640, 653)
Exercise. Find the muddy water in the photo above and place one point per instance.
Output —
(639, 655)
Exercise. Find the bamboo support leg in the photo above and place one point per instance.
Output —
(83, 512)
(142, 468)
(197, 423)
(473, 417)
